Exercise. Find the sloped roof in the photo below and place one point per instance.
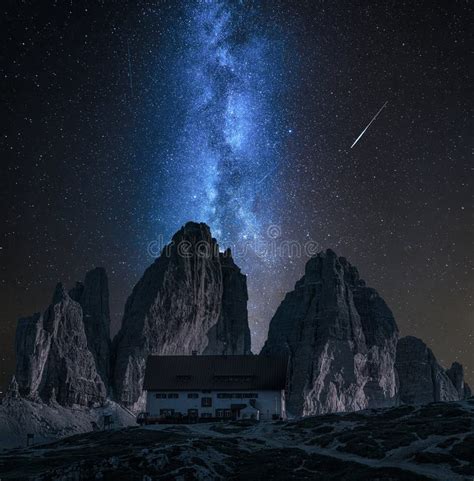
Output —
(165, 373)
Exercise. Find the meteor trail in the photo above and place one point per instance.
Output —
(266, 175)
(375, 116)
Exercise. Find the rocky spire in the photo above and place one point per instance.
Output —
(93, 296)
(32, 344)
(231, 333)
(192, 298)
(53, 355)
(422, 379)
(340, 337)
(456, 376)
(13, 389)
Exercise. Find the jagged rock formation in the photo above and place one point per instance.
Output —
(467, 391)
(53, 359)
(422, 379)
(13, 391)
(32, 345)
(456, 375)
(230, 334)
(93, 296)
(192, 298)
(340, 337)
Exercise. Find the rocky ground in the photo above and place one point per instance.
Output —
(49, 422)
(432, 442)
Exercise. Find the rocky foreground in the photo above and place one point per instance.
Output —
(409, 443)
(49, 422)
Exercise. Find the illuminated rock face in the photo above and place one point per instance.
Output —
(54, 362)
(341, 340)
(192, 298)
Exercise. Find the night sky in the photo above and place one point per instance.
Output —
(123, 121)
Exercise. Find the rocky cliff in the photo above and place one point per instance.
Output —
(456, 375)
(340, 337)
(422, 379)
(231, 333)
(192, 298)
(53, 359)
(93, 297)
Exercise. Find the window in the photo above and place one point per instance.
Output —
(234, 378)
(237, 395)
(206, 415)
(220, 413)
(227, 413)
(160, 395)
(166, 412)
(206, 402)
(193, 413)
(193, 395)
(173, 395)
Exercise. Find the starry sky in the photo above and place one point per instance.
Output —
(124, 120)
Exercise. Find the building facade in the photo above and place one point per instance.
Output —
(232, 387)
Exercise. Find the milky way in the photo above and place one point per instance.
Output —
(229, 139)
(227, 78)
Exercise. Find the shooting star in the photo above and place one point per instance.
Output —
(370, 123)
(266, 175)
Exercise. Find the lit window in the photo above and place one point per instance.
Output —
(166, 412)
(235, 378)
